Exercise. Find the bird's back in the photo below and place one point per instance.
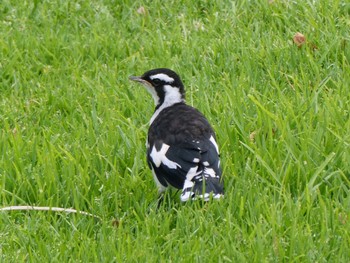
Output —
(180, 123)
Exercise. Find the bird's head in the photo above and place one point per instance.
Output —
(164, 85)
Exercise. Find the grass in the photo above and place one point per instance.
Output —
(73, 129)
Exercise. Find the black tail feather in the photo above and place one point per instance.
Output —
(203, 188)
(205, 184)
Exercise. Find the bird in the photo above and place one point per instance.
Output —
(182, 151)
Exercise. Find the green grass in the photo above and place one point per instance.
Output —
(73, 130)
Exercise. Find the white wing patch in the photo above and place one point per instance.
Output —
(192, 173)
(188, 184)
(163, 77)
(186, 195)
(209, 171)
(214, 142)
(205, 163)
(159, 157)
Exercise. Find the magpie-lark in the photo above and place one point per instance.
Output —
(181, 148)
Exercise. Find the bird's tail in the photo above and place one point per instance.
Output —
(202, 187)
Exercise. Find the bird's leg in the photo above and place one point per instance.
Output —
(160, 199)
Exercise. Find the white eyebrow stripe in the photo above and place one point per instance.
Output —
(163, 77)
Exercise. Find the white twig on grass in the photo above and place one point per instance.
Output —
(46, 208)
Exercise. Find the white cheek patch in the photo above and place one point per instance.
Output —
(214, 142)
(158, 157)
(153, 92)
(163, 77)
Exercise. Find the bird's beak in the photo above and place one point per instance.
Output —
(136, 78)
(140, 80)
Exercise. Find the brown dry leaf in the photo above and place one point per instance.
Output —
(299, 39)
(343, 218)
(141, 10)
(115, 223)
(252, 136)
(313, 46)
(274, 130)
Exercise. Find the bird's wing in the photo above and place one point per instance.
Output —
(177, 163)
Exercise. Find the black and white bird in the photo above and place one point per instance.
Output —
(181, 148)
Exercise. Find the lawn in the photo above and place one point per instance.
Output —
(73, 130)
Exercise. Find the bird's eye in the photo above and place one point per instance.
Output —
(156, 81)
